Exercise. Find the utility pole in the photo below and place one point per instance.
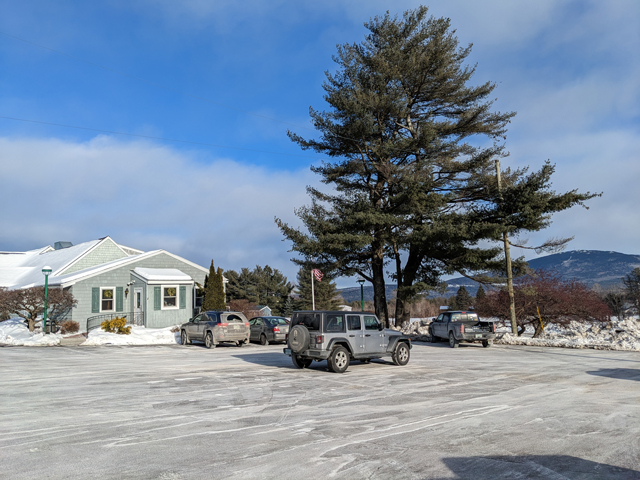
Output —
(507, 257)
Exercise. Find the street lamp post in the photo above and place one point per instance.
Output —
(361, 282)
(46, 271)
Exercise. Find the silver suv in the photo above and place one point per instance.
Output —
(339, 337)
(213, 328)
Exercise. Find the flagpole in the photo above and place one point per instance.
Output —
(313, 295)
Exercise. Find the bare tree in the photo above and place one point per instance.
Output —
(559, 301)
(28, 303)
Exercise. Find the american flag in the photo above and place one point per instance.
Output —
(318, 274)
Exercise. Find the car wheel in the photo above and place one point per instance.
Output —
(301, 362)
(184, 339)
(339, 360)
(298, 339)
(453, 343)
(208, 340)
(401, 355)
(239, 344)
(263, 340)
(487, 343)
(434, 339)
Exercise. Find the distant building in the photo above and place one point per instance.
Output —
(154, 289)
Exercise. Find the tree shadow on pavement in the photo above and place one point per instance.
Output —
(620, 373)
(536, 467)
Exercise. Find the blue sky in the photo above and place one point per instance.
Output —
(570, 69)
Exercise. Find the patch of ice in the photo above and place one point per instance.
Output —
(15, 332)
(138, 336)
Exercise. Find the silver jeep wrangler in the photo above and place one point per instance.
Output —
(339, 337)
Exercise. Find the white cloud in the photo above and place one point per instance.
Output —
(147, 196)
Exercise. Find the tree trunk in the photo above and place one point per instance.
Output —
(379, 292)
(406, 278)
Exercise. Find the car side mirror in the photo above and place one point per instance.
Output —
(381, 326)
(191, 319)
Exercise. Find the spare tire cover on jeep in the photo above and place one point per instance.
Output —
(298, 338)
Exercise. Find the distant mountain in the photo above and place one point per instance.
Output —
(587, 266)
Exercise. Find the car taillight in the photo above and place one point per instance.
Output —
(223, 324)
(276, 330)
(461, 328)
(320, 339)
(246, 324)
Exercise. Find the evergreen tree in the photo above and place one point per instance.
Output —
(463, 299)
(410, 189)
(218, 291)
(615, 302)
(324, 291)
(260, 286)
(209, 300)
(287, 308)
(632, 288)
(480, 294)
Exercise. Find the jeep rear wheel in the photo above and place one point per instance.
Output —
(339, 360)
(298, 338)
(301, 362)
(453, 343)
(401, 355)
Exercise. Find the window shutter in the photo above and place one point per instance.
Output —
(95, 300)
(183, 297)
(157, 298)
(119, 299)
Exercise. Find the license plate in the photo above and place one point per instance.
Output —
(478, 335)
(287, 351)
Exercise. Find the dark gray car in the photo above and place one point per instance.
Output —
(213, 328)
(268, 329)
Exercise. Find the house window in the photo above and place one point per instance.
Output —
(169, 297)
(107, 299)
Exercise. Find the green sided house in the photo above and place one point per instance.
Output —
(154, 289)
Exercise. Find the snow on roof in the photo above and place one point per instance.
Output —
(19, 269)
(162, 274)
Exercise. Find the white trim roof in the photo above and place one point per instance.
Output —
(162, 275)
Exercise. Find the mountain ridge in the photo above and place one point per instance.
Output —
(591, 267)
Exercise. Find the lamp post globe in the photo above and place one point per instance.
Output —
(46, 271)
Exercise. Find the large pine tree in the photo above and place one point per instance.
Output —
(413, 145)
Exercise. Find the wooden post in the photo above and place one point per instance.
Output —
(507, 257)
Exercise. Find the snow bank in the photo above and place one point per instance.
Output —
(15, 332)
(417, 326)
(613, 335)
(138, 336)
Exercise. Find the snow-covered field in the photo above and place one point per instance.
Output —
(613, 335)
(138, 336)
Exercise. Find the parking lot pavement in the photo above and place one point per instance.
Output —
(173, 412)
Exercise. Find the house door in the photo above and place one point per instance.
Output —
(138, 306)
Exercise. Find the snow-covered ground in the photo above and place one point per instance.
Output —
(15, 332)
(613, 335)
(138, 336)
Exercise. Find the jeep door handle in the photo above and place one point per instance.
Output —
(352, 335)
(367, 335)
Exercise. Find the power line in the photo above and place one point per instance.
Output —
(152, 83)
(158, 138)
